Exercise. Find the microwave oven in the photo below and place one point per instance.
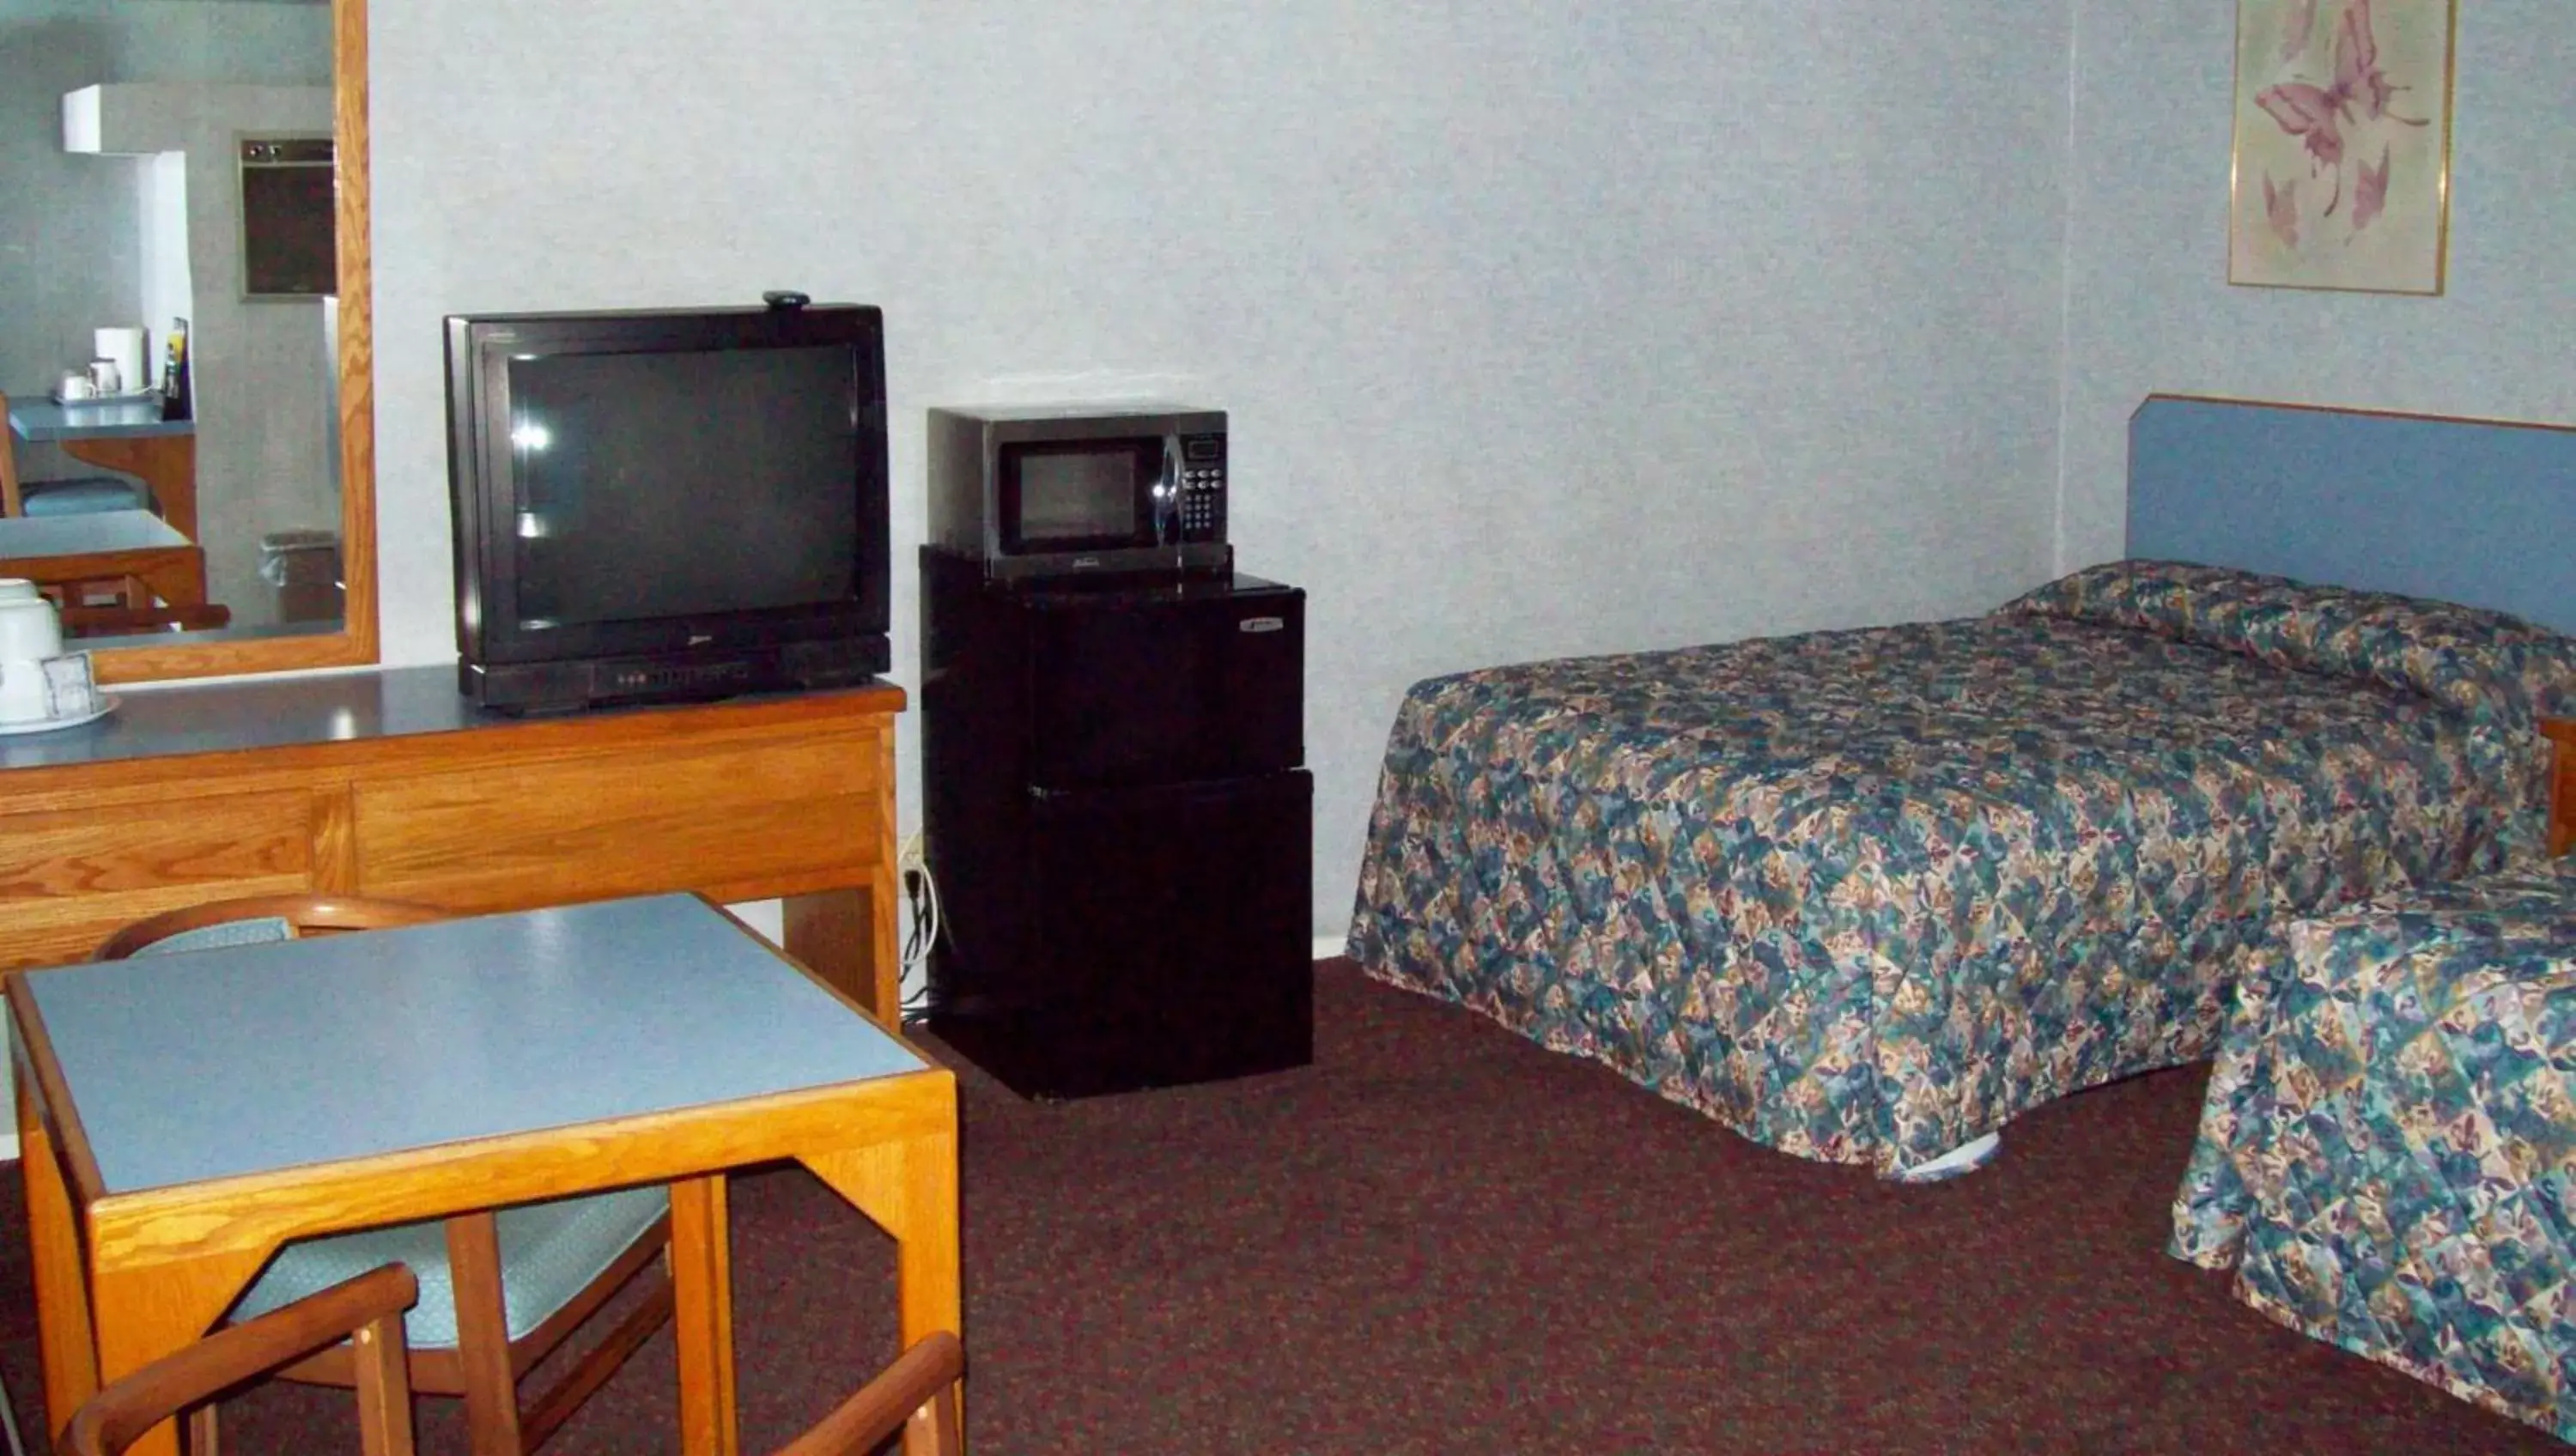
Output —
(1039, 491)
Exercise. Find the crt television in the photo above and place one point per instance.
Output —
(667, 504)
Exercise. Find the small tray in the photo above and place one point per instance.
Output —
(105, 401)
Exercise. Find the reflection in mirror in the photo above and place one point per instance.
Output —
(184, 361)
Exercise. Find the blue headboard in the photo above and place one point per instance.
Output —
(2463, 510)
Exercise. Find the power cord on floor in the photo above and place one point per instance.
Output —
(920, 923)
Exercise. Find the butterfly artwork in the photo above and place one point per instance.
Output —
(2342, 142)
(2359, 93)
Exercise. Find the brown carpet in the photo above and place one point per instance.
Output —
(1441, 1238)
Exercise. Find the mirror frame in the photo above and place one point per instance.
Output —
(355, 643)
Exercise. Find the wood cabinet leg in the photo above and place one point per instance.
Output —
(848, 938)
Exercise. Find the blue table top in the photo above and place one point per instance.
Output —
(36, 418)
(86, 533)
(216, 1063)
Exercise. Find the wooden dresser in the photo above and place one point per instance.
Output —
(387, 782)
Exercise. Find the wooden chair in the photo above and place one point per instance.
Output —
(499, 1290)
(366, 1312)
(61, 497)
(917, 1393)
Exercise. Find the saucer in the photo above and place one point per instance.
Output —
(106, 705)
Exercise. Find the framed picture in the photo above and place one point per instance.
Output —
(2341, 169)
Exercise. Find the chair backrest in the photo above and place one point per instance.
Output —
(919, 1391)
(366, 1311)
(252, 918)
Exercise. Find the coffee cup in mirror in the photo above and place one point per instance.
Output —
(26, 696)
(29, 628)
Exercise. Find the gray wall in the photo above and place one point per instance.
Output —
(2149, 307)
(1545, 328)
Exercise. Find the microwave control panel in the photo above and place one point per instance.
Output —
(1203, 487)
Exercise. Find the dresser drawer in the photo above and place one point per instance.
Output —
(736, 821)
(70, 877)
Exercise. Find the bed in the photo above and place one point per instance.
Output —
(2389, 1135)
(1864, 896)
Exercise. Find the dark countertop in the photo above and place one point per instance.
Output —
(230, 715)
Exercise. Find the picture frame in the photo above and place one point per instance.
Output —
(2340, 169)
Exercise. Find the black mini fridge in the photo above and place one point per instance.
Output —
(1117, 815)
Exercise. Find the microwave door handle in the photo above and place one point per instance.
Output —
(1167, 498)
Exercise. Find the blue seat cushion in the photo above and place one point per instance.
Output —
(264, 930)
(550, 1252)
(83, 496)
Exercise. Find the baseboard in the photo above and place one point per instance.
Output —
(1329, 946)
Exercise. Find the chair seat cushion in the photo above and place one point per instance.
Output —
(262, 930)
(83, 496)
(549, 1253)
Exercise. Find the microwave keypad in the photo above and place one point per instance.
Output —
(1203, 502)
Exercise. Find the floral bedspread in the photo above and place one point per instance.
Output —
(1865, 895)
(2390, 1136)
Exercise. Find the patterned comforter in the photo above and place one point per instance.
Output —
(1865, 895)
(2390, 1136)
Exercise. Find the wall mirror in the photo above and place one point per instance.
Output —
(200, 162)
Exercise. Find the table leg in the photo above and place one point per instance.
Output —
(702, 1315)
(909, 1189)
(63, 1337)
(148, 1311)
(848, 937)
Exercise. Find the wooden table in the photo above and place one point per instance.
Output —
(132, 438)
(193, 1111)
(100, 546)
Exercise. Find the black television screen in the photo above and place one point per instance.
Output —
(667, 504)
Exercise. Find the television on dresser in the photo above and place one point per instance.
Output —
(667, 504)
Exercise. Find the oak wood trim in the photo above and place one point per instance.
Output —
(2561, 733)
(367, 1311)
(303, 913)
(702, 1314)
(916, 1394)
(538, 1420)
(59, 1273)
(355, 643)
(483, 1335)
(35, 1048)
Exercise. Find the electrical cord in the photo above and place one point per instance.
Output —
(921, 923)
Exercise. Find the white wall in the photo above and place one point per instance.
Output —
(2149, 304)
(1548, 328)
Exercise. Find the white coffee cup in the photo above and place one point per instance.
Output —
(28, 625)
(30, 632)
(25, 694)
(78, 386)
(103, 376)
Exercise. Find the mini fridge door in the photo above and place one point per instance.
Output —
(1167, 940)
(1173, 685)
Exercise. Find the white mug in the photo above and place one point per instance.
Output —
(78, 386)
(28, 626)
(103, 377)
(25, 694)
